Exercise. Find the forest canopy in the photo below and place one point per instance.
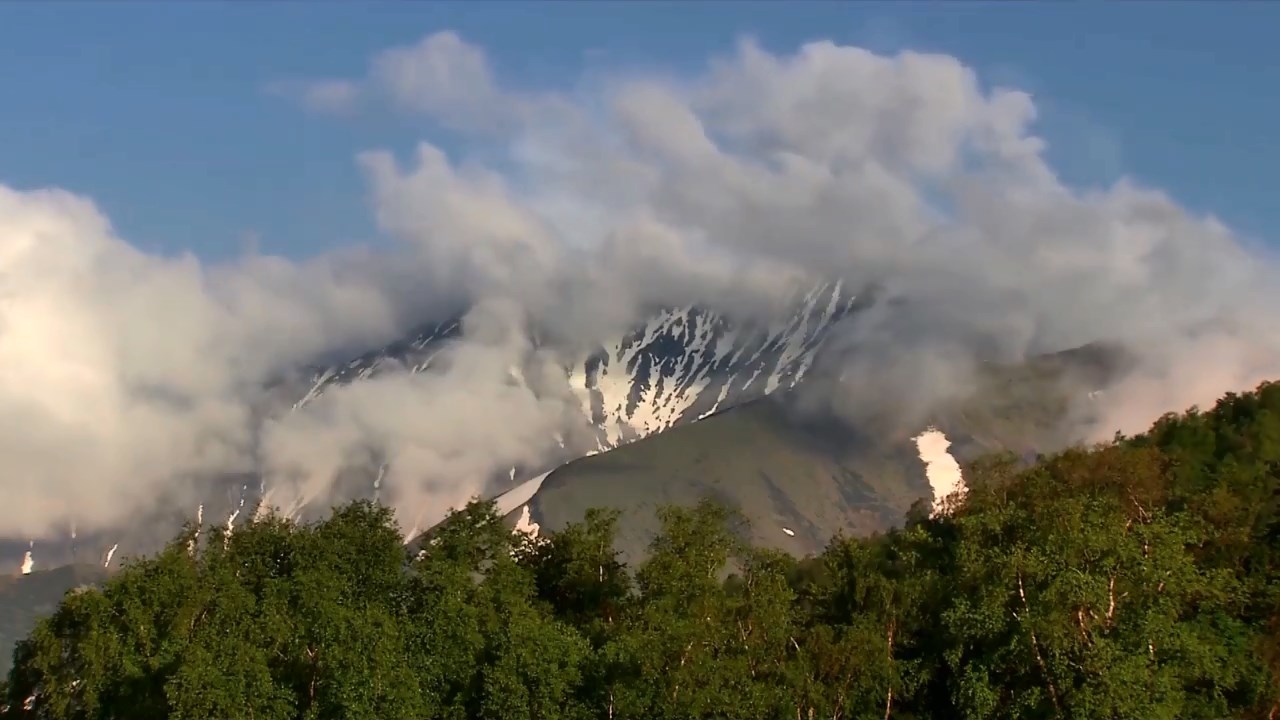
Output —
(1138, 579)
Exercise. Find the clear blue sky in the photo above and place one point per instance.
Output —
(157, 110)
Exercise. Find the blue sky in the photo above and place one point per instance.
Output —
(158, 112)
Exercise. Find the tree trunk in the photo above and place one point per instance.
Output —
(888, 700)
(1035, 650)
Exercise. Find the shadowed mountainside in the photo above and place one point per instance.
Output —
(801, 477)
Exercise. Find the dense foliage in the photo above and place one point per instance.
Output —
(1136, 580)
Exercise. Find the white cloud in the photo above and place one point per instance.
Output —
(126, 374)
(443, 433)
(441, 76)
(463, 221)
(338, 97)
(331, 95)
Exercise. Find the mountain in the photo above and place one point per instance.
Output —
(796, 480)
(679, 365)
(802, 476)
(686, 405)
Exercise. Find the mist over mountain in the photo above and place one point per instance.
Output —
(628, 254)
(677, 367)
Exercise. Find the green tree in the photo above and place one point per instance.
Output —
(1137, 579)
(665, 659)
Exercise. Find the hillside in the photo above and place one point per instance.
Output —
(801, 477)
(780, 471)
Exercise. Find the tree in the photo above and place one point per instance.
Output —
(1136, 579)
(665, 656)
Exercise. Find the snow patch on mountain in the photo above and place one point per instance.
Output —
(525, 523)
(941, 469)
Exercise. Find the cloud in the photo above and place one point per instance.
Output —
(463, 221)
(337, 97)
(492, 401)
(331, 95)
(440, 76)
(128, 375)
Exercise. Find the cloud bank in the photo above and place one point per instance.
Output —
(129, 376)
